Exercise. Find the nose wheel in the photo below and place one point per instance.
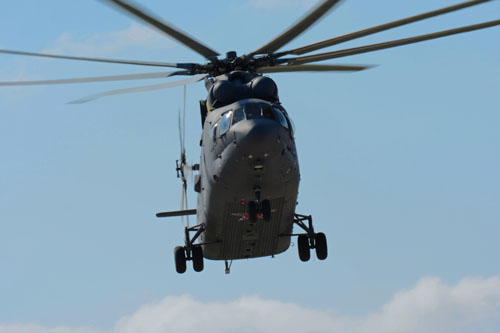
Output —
(310, 239)
(259, 208)
(252, 211)
(256, 210)
(265, 208)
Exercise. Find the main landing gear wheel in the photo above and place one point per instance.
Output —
(304, 249)
(197, 253)
(321, 247)
(180, 259)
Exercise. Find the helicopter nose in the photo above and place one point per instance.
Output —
(258, 136)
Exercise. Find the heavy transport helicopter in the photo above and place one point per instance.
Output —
(248, 175)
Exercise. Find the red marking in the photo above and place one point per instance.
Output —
(244, 216)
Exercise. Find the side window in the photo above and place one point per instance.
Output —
(292, 126)
(238, 115)
(224, 123)
(280, 117)
(214, 132)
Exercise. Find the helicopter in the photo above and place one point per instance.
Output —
(248, 175)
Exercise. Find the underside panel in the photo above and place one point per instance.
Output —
(243, 239)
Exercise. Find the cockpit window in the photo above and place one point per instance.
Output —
(292, 126)
(238, 115)
(267, 112)
(224, 123)
(280, 117)
(214, 132)
(252, 111)
(259, 110)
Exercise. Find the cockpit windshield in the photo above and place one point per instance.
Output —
(255, 111)
(252, 111)
(260, 110)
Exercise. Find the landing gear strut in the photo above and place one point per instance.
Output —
(310, 239)
(190, 251)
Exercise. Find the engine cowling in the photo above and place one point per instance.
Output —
(229, 88)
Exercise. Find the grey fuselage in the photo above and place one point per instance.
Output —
(251, 155)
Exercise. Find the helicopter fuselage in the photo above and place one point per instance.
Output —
(248, 155)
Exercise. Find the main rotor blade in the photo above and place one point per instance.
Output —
(97, 79)
(184, 122)
(312, 68)
(113, 61)
(179, 125)
(292, 32)
(386, 45)
(139, 89)
(382, 27)
(168, 29)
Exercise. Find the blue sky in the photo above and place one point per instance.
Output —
(399, 168)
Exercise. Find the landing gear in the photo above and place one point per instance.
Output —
(321, 247)
(304, 249)
(180, 259)
(252, 211)
(259, 208)
(310, 240)
(190, 251)
(266, 210)
(197, 255)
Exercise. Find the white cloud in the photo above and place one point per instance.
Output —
(136, 36)
(20, 328)
(472, 305)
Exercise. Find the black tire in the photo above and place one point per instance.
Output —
(180, 259)
(197, 253)
(266, 210)
(252, 211)
(321, 247)
(304, 249)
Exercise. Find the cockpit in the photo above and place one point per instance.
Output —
(253, 111)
